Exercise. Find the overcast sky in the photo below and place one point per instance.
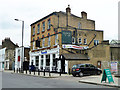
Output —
(104, 12)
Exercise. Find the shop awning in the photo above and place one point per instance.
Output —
(69, 56)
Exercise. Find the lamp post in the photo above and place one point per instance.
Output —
(22, 57)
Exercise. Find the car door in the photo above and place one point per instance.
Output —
(92, 69)
(87, 69)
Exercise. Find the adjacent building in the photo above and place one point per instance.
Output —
(62, 39)
(2, 58)
(19, 63)
(8, 47)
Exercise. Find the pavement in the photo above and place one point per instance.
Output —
(93, 79)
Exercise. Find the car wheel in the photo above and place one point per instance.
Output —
(80, 74)
(74, 75)
(98, 73)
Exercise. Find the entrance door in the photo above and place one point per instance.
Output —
(99, 64)
(63, 66)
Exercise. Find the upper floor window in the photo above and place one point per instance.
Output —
(80, 41)
(48, 24)
(33, 45)
(38, 30)
(43, 42)
(73, 40)
(34, 30)
(56, 39)
(43, 26)
(79, 25)
(85, 41)
(96, 42)
(48, 41)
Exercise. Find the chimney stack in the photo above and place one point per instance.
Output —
(68, 10)
(84, 15)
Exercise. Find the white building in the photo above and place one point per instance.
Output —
(19, 62)
(2, 58)
(18, 57)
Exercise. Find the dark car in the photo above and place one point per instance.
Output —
(85, 69)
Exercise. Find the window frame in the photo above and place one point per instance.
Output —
(80, 40)
(38, 28)
(43, 26)
(33, 30)
(73, 39)
(56, 39)
(79, 25)
(49, 41)
(49, 22)
(85, 41)
(43, 42)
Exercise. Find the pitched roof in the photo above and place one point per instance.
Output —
(69, 56)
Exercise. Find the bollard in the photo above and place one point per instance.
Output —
(38, 72)
(69, 71)
(29, 71)
(60, 72)
(34, 72)
(26, 71)
(44, 72)
(49, 73)
(14, 70)
(17, 70)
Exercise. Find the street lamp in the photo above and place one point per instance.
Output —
(22, 57)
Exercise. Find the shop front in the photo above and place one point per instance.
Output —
(46, 60)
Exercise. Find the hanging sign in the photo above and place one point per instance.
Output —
(107, 75)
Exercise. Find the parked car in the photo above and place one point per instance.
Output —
(85, 69)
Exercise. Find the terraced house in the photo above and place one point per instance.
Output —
(62, 39)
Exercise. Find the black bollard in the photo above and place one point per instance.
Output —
(14, 70)
(38, 72)
(17, 70)
(44, 72)
(26, 71)
(60, 72)
(29, 71)
(49, 73)
(34, 72)
(69, 71)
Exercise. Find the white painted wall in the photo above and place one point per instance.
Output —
(18, 52)
(2, 58)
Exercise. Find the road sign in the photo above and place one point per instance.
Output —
(107, 74)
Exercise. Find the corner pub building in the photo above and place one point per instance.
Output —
(62, 39)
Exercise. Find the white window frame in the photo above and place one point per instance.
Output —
(42, 61)
(33, 45)
(43, 26)
(73, 38)
(85, 41)
(38, 30)
(43, 42)
(49, 24)
(79, 40)
(34, 30)
(79, 25)
(56, 39)
(49, 41)
(96, 42)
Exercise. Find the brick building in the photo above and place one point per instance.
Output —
(62, 39)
